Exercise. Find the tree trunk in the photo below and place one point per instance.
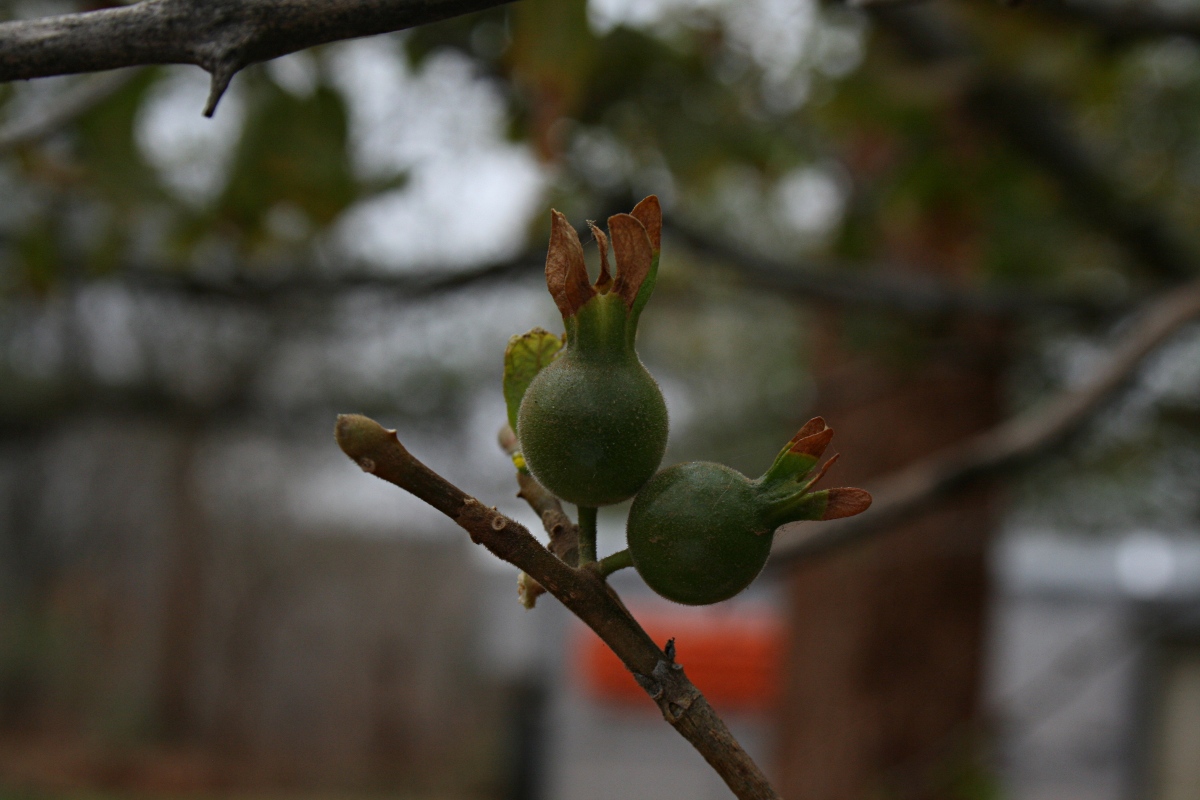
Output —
(883, 678)
(184, 595)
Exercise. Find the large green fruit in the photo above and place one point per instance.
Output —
(593, 433)
(700, 532)
(592, 424)
(696, 534)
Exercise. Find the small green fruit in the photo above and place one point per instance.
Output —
(700, 532)
(592, 425)
(696, 535)
(593, 433)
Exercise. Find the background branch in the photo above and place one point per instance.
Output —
(883, 288)
(66, 107)
(222, 36)
(1033, 124)
(1024, 437)
(583, 591)
(1124, 22)
(416, 286)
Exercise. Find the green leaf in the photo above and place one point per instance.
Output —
(526, 356)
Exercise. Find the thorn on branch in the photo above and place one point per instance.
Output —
(222, 74)
(669, 687)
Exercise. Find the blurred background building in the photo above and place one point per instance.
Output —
(915, 219)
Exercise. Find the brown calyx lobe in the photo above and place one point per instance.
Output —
(814, 425)
(566, 271)
(634, 253)
(636, 239)
(846, 501)
(814, 444)
(604, 282)
(649, 213)
(821, 472)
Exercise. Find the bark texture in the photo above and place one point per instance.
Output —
(222, 36)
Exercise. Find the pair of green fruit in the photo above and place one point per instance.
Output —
(592, 428)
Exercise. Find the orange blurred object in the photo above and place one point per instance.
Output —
(736, 660)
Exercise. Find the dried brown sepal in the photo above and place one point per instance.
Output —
(604, 282)
(634, 254)
(846, 502)
(566, 272)
(814, 444)
(821, 473)
(649, 213)
(814, 425)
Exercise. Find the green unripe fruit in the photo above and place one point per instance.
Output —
(700, 532)
(593, 432)
(592, 424)
(696, 533)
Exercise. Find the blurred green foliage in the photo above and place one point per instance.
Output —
(816, 138)
(686, 96)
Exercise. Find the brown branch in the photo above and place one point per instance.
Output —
(68, 106)
(583, 591)
(564, 534)
(911, 489)
(222, 36)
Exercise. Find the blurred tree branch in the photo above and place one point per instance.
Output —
(582, 590)
(1016, 441)
(413, 286)
(1033, 124)
(30, 409)
(874, 288)
(883, 287)
(1124, 22)
(1118, 22)
(222, 36)
(63, 109)
(32, 406)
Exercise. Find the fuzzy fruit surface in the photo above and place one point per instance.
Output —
(593, 426)
(698, 533)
